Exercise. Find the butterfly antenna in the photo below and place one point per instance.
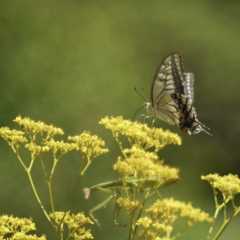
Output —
(140, 94)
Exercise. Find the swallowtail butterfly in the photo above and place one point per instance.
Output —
(172, 96)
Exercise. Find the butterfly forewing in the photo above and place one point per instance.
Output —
(167, 81)
(168, 78)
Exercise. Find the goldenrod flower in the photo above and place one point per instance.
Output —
(147, 168)
(136, 152)
(160, 211)
(13, 137)
(140, 134)
(228, 185)
(159, 220)
(74, 223)
(162, 215)
(128, 205)
(186, 210)
(17, 228)
(61, 146)
(89, 145)
(36, 150)
(33, 128)
(152, 228)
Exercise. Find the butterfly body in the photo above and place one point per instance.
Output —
(172, 96)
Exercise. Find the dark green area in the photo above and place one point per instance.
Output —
(70, 63)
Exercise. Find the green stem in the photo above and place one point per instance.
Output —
(48, 181)
(133, 219)
(218, 208)
(28, 171)
(19, 158)
(51, 196)
(37, 198)
(213, 222)
(139, 215)
(69, 203)
(222, 228)
(131, 229)
(68, 206)
(120, 145)
(84, 170)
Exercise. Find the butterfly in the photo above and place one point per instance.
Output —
(172, 96)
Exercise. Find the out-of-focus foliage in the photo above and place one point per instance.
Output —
(70, 63)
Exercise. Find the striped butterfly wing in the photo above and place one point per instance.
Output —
(173, 95)
(168, 80)
(188, 120)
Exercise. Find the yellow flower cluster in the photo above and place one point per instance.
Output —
(51, 145)
(17, 228)
(148, 170)
(89, 145)
(128, 205)
(139, 134)
(74, 223)
(158, 228)
(13, 137)
(158, 222)
(159, 218)
(160, 211)
(163, 213)
(141, 172)
(186, 210)
(33, 128)
(228, 185)
(36, 150)
(39, 138)
(61, 146)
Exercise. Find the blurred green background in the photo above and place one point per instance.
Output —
(70, 63)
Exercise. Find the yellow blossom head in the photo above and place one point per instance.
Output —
(139, 134)
(13, 137)
(18, 228)
(186, 210)
(158, 221)
(228, 185)
(75, 224)
(147, 170)
(32, 128)
(89, 145)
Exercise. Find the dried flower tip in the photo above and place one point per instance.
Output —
(86, 193)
